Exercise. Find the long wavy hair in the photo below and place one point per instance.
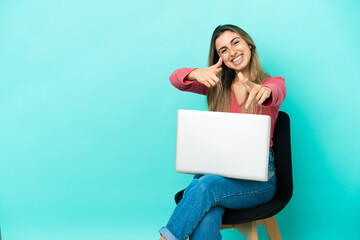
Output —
(218, 97)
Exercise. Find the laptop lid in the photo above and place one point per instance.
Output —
(233, 145)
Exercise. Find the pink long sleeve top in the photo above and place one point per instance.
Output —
(270, 107)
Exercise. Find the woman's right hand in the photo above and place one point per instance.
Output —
(207, 76)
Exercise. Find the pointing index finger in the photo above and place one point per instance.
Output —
(250, 98)
(219, 63)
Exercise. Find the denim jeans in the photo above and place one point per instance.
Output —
(198, 215)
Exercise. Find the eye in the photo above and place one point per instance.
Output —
(236, 42)
(223, 51)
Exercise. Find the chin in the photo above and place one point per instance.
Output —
(236, 68)
(240, 68)
(232, 67)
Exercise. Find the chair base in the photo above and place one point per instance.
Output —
(249, 230)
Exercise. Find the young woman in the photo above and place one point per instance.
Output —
(233, 82)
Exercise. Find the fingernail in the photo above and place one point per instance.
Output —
(246, 106)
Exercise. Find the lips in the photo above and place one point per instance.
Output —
(237, 60)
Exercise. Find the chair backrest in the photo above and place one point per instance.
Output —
(282, 149)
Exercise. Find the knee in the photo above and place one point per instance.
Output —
(208, 184)
(205, 189)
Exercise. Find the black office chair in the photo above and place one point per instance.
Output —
(246, 220)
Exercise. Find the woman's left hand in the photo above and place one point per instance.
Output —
(257, 92)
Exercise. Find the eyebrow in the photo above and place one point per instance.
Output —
(230, 42)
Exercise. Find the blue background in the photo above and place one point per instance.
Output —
(88, 116)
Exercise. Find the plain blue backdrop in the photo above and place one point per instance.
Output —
(88, 116)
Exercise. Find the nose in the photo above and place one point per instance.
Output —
(232, 52)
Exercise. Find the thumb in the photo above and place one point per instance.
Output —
(245, 81)
(217, 70)
(241, 77)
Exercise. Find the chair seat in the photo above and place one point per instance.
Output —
(250, 214)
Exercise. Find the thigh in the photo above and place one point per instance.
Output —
(237, 193)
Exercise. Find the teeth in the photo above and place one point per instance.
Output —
(237, 59)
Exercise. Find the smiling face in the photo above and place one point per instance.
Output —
(234, 51)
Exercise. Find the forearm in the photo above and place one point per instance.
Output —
(278, 91)
(183, 80)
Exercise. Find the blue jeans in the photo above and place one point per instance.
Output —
(198, 215)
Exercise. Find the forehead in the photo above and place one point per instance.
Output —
(225, 38)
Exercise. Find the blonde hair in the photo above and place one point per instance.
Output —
(218, 97)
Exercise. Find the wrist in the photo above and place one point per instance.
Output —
(192, 75)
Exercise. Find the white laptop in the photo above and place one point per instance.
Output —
(233, 145)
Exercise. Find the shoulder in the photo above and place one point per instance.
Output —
(270, 79)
